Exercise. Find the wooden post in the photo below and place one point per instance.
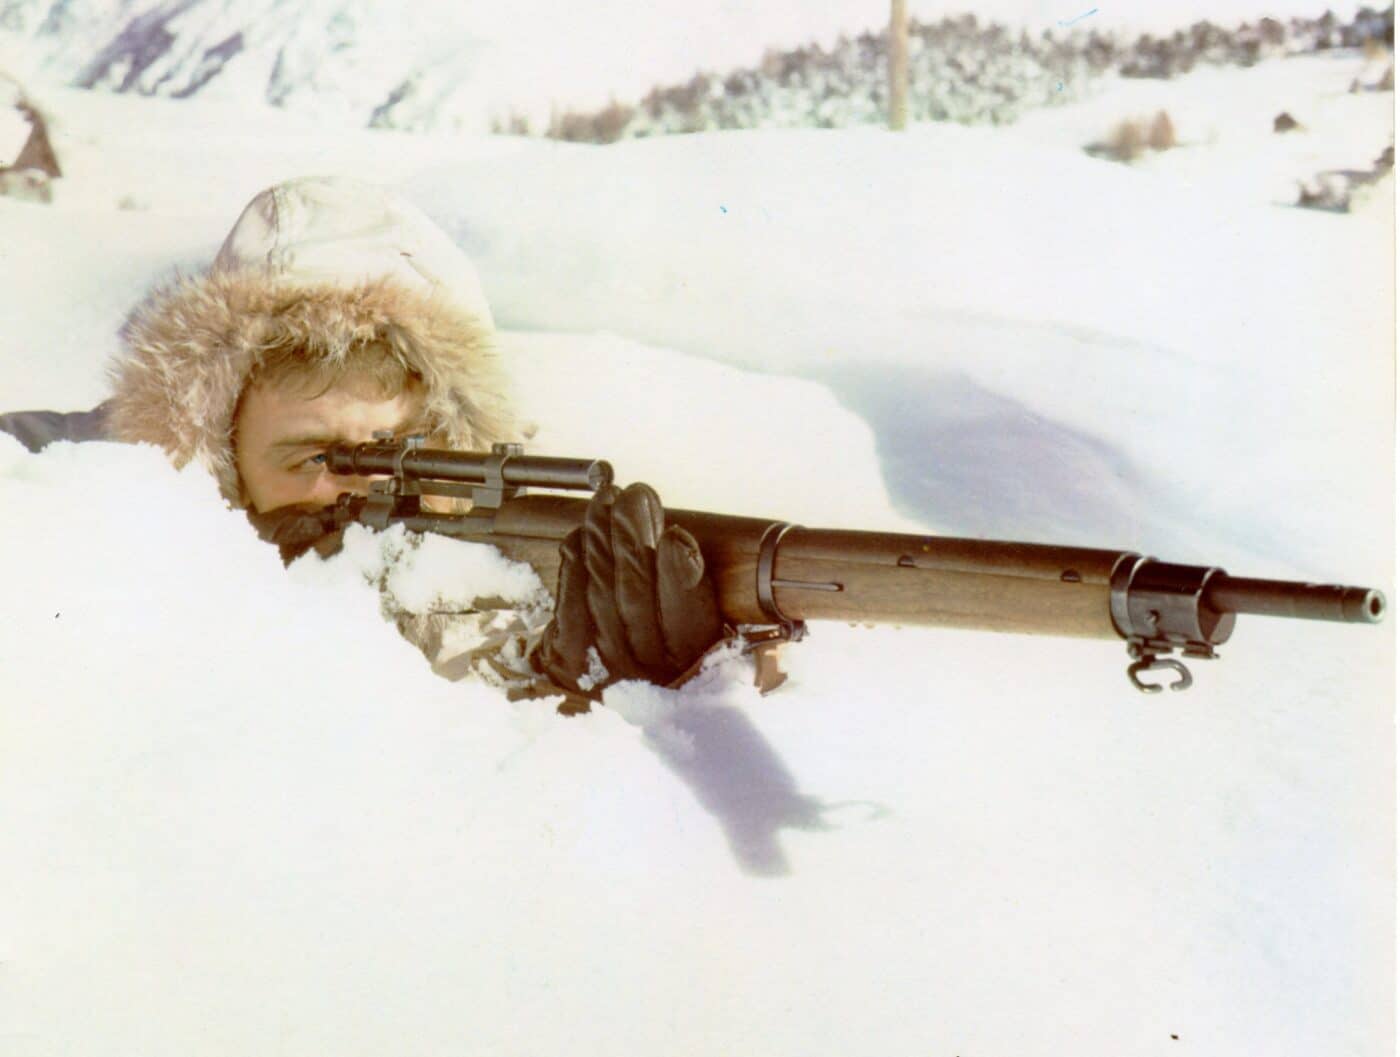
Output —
(899, 64)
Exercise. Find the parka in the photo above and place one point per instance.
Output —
(327, 262)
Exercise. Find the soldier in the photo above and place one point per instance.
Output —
(334, 311)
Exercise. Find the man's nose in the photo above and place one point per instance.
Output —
(330, 487)
(349, 483)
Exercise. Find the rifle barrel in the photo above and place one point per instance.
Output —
(1286, 598)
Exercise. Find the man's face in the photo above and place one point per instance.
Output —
(281, 434)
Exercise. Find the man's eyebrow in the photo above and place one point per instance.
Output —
(409, 424)
(306, 440)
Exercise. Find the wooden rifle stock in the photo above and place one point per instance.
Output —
(834, 574)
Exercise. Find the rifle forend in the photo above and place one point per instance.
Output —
(774, 575)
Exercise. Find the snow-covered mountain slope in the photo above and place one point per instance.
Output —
(433, 64)
(241, 816)
(337, 58)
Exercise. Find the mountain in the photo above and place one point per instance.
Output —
(346, 59)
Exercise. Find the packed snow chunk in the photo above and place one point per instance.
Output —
(440, 573)
(597, 672)
(428, 573)
(466, 606)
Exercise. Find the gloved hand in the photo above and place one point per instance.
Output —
(298, 529)
(633, 590)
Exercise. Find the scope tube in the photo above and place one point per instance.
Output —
(523, 471)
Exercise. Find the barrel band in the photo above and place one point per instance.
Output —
(767, 561)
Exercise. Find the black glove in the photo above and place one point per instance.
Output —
(298, 529)
(635, 591)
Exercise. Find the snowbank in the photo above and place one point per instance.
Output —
(240, 815)
(1038, 338)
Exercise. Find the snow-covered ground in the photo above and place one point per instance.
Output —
(239, 815)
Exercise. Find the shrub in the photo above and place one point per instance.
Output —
(1126, 141)
(1132, 137)
(36, 153)
(1162, 133)
(605, 126)
(1374, 49)
(513, 124)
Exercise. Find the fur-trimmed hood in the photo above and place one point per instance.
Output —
(323, 264)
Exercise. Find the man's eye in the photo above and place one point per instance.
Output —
(311, 462)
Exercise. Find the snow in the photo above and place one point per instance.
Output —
(429, 575)
(238, 814)
(1234, 152)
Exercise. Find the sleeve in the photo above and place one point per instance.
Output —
(497, 645)
(38, 429)
(493, 645)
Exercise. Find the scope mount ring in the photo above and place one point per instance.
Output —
(493, 490)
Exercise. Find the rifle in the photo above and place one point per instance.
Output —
(773, 576)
